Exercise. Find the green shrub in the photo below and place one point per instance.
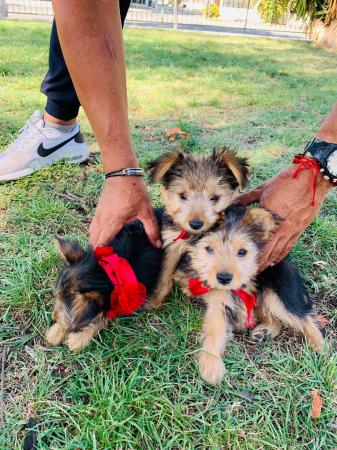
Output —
(211, 11)
(272, 11)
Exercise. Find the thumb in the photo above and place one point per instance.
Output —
(249, 197)
(151, 228)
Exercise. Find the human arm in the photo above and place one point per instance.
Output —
(291, 199)
(91, 39)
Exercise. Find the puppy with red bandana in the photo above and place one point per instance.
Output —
(195, 191)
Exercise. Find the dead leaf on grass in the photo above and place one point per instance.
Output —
(173, 133)
(316, 406)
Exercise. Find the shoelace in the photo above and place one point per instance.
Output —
(24, 138)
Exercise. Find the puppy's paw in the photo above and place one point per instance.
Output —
(212, 369)
(153, 304)
(56, 334)
(78, 341)
(258, 336)
(261, 332)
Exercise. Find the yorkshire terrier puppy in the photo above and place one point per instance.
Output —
(83, 289)
(195, 190)
(224, 263)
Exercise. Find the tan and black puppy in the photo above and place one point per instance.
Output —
(83, 289)
(226, 260)
(195, 190)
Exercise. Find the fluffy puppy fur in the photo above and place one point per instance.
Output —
(195, 190)
(227, 259)
(83, 289)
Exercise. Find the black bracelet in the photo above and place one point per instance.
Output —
(128, 171)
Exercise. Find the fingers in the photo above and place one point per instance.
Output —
(265, 258)
(287, 248)
(276, 250)
(101, 233)
(151, 228)
(249, 197)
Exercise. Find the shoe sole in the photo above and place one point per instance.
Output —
(73, 154)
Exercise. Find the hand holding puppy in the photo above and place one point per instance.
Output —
(289, 198)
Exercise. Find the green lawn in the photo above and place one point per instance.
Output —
(137, 386)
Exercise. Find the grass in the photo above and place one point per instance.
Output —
(137, 386)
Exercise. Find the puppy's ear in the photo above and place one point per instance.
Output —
(261, 222)
(238, 166)
(162, 165)
(70, 252)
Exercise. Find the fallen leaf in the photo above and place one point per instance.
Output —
(316, 406)
(173, 133)
(323, 321)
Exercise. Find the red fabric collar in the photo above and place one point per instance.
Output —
(250, 301)
(197, 287)
(183, 235)
(304, 162)
(128, 294)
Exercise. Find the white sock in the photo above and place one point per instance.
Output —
(62, 128)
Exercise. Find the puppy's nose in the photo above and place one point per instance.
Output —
(224, 277)
(196, 224)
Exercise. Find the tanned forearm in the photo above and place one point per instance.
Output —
(328, 130)
(90, 33)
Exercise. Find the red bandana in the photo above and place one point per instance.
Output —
(308, 163)
(128, 294)
(250, 301)
(183, 235)
(197, 287)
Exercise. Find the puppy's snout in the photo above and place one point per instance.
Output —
(224, 277)
(196, 224)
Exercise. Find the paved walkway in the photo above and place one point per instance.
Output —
(224, 30)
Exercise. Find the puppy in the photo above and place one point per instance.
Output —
(195, 190)
(226, 260)
(83, 289)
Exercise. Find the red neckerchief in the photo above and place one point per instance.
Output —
(128, 294)
(183, 235)
(308, 163)
(197, 287)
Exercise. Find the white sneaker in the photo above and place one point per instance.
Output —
(38, 146)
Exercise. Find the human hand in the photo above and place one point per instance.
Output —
(290, 199)
(123, 200)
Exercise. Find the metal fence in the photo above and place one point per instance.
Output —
(233, 14)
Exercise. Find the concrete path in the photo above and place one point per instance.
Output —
(223, 30)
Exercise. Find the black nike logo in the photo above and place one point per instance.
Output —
(48, 151)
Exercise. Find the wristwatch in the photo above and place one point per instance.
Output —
(326, 156)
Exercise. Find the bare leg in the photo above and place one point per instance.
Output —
(216, 331)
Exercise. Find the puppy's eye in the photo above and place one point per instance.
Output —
(209, 250)
(215, 198)
(183, 196)
(242, 252)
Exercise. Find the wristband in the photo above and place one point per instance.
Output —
(128, 171)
